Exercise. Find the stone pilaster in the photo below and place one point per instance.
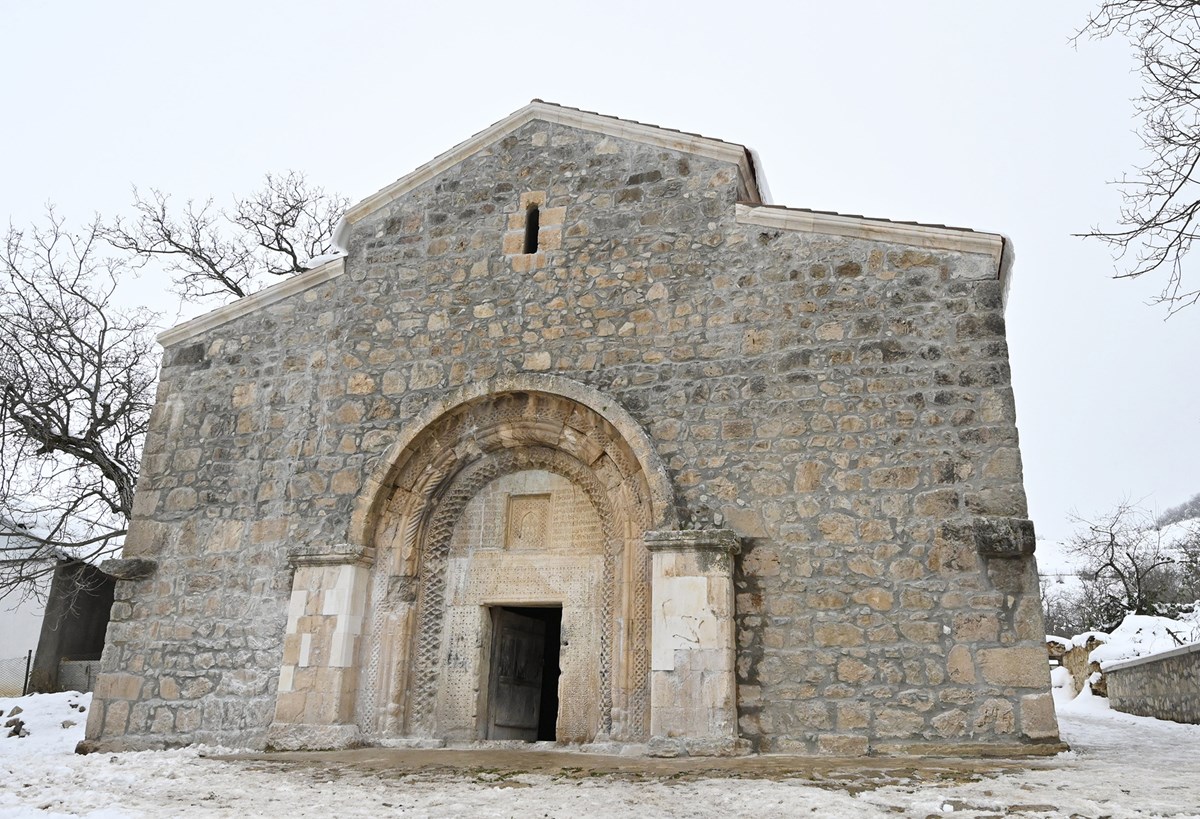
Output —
(318, 677)
(693, 687)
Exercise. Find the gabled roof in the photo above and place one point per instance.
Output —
(585, 120)
(753, 206)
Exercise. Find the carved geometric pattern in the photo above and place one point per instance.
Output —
(528, 521)
(442, 470)
(432, 605)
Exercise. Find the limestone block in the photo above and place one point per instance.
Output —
(1021, 667)
(842, 745)
(1038, 720)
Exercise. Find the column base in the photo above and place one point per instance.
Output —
(284, 736)
(698, 746)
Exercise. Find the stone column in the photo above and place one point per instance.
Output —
(693, 687)
(318, 678)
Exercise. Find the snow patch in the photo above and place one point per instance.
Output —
(1142, 635)
(48, 723)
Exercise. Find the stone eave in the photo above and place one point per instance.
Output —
(574, 118)
(929, 237)
(276, 292)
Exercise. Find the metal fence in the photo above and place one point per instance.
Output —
(14, 675)
(77, 675)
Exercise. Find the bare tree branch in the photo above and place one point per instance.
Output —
(1161, 200)
(211, 252)
(76, 386)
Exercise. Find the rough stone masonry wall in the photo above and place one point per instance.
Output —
(843, 404)
(1165, 686)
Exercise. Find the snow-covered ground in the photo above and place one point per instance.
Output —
(1121, 765)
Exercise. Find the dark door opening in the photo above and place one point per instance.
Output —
(524, 672)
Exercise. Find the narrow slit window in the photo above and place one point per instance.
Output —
(532, 221)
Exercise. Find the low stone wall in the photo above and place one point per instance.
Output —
(1166, 686)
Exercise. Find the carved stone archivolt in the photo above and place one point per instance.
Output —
(420, 494)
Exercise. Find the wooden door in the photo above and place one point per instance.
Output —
(515, 686)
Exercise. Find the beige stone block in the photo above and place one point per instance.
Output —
(116, 719)
(552, 217)
(345, 482)
(995, 715)
(513, 243)
(842, 745)
(187, 718)
(124, 686)
(897, 477)
(290, 706)
(940, 503)
(831, 331)
(268, 530)
(852, 715)
(244, 395)
(168, 688)
(854, 671)
(827, 599)
(809, 475)
(865, 566)
(976, 626)
(532, 198)
(898, 722)
(950, 723)
(873, 531)
(878, 599)
(1018, 667)
(537, 361)
(549, 240)
(837, 634)
(837, 528)
(921, 631)
(1038, 720)
(95, 719)
(360, 384)
(1004, 464)
(181, 499)
(959, 665)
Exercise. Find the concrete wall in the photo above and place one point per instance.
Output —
(1165, 686)
(842, 403)
(75, 623)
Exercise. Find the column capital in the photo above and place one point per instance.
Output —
(331, 554)
(688, 540)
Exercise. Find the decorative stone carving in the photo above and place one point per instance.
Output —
(439, 473)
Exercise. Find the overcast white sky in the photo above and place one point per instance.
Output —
(962, 113)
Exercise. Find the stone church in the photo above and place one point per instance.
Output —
(584, 441)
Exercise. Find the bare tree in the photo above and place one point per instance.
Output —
(211, 251)
(1129, 566)
(77, 377)
(1161, 200)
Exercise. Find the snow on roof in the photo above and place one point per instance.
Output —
(1143, 635)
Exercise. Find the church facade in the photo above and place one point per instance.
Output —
(582, 441)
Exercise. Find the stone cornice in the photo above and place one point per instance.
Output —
(276, 292)
(860, 227)
(572, 117)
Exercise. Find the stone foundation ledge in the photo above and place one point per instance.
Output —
(668, 747)
(409, 743)
(968, 750)
(300, 737)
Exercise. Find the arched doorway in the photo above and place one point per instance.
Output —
(499, 537)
